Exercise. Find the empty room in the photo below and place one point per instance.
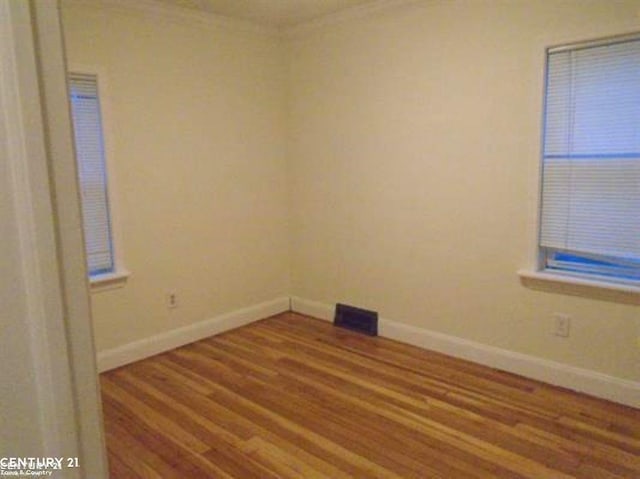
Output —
(321, 238)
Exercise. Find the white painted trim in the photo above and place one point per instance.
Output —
(578, 379)
(312, 308)
(208, 19)
(144, 348)
(109, 281)
(348, 14)
(75, 325)
(21, 109)
(175, 13)
(632, 287)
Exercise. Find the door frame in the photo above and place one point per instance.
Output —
(52, 272)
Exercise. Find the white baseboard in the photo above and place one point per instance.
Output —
(137, 350)
(583, 380)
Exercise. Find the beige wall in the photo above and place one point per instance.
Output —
(414, 152)
(412, 138)
(194, 118)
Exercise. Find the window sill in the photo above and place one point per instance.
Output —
(108, 281)
(579, 281)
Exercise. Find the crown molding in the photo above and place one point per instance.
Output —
(342, 16)
(175, 14)
(211, 20)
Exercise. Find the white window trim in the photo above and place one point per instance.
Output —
(537, 270)
(107, 281)
(579, 280)
(120, 274)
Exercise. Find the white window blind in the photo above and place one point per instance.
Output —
(85, 107)
(591, 151)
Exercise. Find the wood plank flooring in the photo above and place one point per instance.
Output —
(294, 397)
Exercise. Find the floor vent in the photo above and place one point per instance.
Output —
(356, 319)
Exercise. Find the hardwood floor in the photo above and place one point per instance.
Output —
(291, 396)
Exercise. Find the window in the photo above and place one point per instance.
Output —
(590, 212)
(89, 143)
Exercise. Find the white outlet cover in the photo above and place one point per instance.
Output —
(562, 324)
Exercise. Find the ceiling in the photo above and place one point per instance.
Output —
(276, 13)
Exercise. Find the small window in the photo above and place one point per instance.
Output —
(590, 212)
(87, 125)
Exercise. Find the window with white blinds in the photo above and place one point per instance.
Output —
(590, 216)
(87, 125)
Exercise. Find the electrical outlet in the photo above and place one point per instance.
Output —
(562, 324)
(172, 300)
